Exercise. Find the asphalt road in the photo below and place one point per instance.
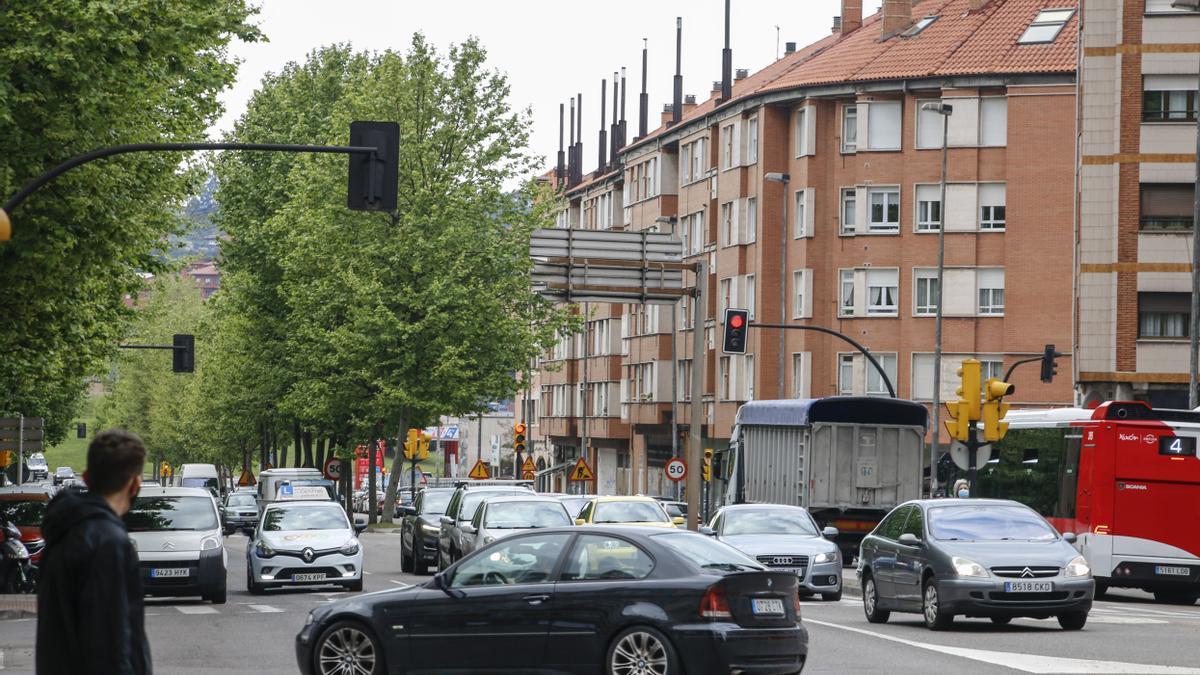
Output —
(1126, 633)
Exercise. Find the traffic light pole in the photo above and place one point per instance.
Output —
(887, 381)
(972, 457)
(695, 454)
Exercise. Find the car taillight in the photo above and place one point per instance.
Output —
(796, 599)
(714, 605)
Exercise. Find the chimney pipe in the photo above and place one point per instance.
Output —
(741, 74)
(789, 48)
(644, 99)
(602, 145)
(622, 125)
(577, 177)
(614, 128)
(677, 100)
(726, 62)
(559, 169)
(851, 16)
(897, 17)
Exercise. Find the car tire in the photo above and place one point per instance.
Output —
(1101, 590)
(1072, 620)
(419, 566)
(219, 596)
(638, 644)
(871, 602)
(253, 586)
(1001, 620)
(931, 607)
(355, 586)
(1175, 597)
(347, 639)
(832, 597)
(406, 559)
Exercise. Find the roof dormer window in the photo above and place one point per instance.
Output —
(919, 26)
(1046, 26)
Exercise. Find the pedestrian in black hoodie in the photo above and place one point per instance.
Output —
(90, 613)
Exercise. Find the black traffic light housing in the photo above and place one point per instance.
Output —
(737, 323)
(1049, 365)
(184, 353)
(371, 183)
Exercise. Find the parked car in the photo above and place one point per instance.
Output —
(614, 599)
(177, 533)
(992, 558)
(460, 511)
(784, 538)
(420, 527)
(25, 506)
(626, 510)
(38, 468)
(63, 474)
(304, 543)
(499, 517)
(575, 503)
(240, 512)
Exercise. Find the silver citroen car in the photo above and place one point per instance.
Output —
(304, 543)
(784, 538)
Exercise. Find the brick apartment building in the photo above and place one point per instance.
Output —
(842, 119)
(1139, 69)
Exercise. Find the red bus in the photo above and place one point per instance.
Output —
(1124, 477)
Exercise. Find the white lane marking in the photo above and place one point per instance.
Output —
(1029, 663)
(398, 583)
(196, 609)
(265, 609)
(366, 572)
(1105, 618)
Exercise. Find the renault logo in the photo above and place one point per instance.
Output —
(1025, 573)
(308, 555)
(781, 561)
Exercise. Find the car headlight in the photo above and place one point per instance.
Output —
(488, 539)
(209, 544)
(1078, 567)
(263, 550)
(430, 529)
(349, 548)
(828, 556)
(967, 568)
(308, 621)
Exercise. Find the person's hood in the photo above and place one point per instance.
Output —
(318, 540)
(779, 544)
(69, 508)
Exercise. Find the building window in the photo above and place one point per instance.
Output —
(850, 128)
(798, 375)
(989, 369)
(929, 125)
(849, 210)
(846, 293)
(1046, 25)
(692, 233)
(1164, 315)
(684, 383)
(801, 132)
(883, 125)
(727, 146)
(875, 382)
(993, 125)
(798, 294)
(991, 206)
(991, 291)
(1167, 206)
(728, 236)
(798, 214)
(925, 292)
(1164, 7)
(751, 220)
(919, 26)
(726, 377)
(752, 140)
(929, 208)
(726, 286)
(846, 374)
(882, 291)
(687, 314)
(885, 209)
(749, 377)
(751, 295)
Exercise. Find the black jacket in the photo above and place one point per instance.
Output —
(90, 613)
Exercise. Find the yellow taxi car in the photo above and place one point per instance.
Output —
(626, 511)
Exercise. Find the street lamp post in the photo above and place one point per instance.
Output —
(782, 179)
(670, 221)
(1194, 328)
(945, 111)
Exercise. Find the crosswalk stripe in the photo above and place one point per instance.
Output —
(265, 609)
(196, 609)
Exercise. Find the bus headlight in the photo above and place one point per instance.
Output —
(1078, 567)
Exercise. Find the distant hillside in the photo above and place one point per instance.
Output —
(201, 237)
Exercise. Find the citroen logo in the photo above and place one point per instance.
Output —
(308, 555)
(781, 561)
(1027, 573)
(168, 546)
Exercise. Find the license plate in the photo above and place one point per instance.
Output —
(312, 576)
(768, 606)
(1172, 571)
(167, 572)
(1028, 587)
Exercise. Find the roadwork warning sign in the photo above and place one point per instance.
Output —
(581, 471)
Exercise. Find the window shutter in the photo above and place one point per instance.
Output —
(735, 229)
(808, 292)
(737, 145)
(964, 123)
(810, 130)
(860, 208)
(810, 208)
(961, 213)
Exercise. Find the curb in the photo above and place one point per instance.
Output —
(18, 606)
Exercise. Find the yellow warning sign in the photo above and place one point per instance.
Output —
(246, 479)
(528, 466)
(528, 475)
(581, 471)
(479, 471)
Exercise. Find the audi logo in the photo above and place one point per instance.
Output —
(781, 561)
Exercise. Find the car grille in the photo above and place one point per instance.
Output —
(1028, 597)
(316, 553)
(1025, 572)
(784, 560)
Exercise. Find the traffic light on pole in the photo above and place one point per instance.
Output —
(706, 468)
(736, 325)
(184, 353)
(1049, 365)
(968, 392)
(519, 439)
(994, 408)
(372, 178)
(411, 443)
(423, 445)
(959, 423)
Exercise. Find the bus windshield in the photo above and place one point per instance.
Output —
(1037, 467)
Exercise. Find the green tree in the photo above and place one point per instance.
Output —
(76, 75)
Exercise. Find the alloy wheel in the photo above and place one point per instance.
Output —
(869, 596)
(346, 651)
(639, 653)
(931, 604)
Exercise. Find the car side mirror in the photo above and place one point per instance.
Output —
(406, 510)
(580, 521)
(678, 520)
(1070, 537)
(830, 532)
(468, 529)
(909, 539)
(707, 531)
(446, 520)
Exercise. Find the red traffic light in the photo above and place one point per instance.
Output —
(737, 321)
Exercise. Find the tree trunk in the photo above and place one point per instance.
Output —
(264, 451)
(372, 497)
(296, 443)
(307, 440)
(393, 482)
(321, 452)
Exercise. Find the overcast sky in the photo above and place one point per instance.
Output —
(549, 49)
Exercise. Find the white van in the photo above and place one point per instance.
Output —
(269, 482)
(199, 476)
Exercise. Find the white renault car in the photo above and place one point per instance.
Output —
(181, 552)
(304, 543)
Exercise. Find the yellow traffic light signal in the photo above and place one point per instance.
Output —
(995, 409)
(995, 389)
(423, 445)
(959, 424)
(706, 468)
(519, 438)
(968, 393)
(411, 447)
(6, 456)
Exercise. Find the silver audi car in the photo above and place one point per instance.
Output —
(784, 538)
(304, 543)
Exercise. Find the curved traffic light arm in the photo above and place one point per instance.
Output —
(828, 331)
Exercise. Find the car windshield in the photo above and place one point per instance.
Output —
(472, 500)
(23, 512)
(240, 500)
(171, 513)
(767, 521)
(707, 553)
(64, 471)
(522, 515)
(575, 505)
(629, 512)
(201, 483)
(988, 523)
(435, 503)
(307, 517)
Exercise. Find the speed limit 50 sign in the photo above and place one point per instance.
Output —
(676, 469)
